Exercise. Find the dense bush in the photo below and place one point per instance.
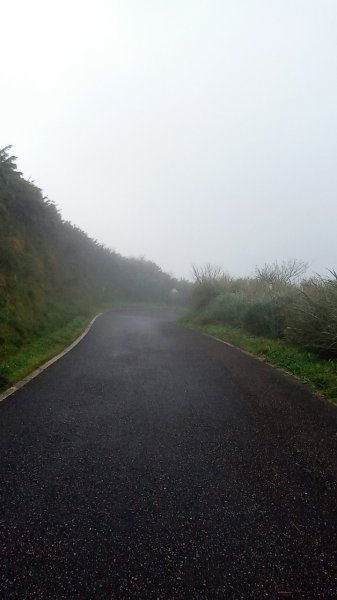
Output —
(313, 321)
(209, 281)
(3, 379)
(227, 307)
(274, 304)
(265, 318)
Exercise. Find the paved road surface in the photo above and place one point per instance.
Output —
(153, 462)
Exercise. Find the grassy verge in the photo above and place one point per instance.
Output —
(18, 364)
(41, 349)
(320, 374)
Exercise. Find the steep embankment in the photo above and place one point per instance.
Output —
(51, 271)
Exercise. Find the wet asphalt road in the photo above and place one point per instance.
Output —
(154, 462)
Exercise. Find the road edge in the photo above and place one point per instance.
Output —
(291, 376)
(17, 386)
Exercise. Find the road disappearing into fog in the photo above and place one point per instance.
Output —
(154, 462)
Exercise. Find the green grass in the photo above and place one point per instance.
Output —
(34, 354)
(320, 374)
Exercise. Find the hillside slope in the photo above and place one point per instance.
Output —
(50, 270)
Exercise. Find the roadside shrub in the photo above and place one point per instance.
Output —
(3, 378)
(208, 283)
(314, 319)
(203, 293)
(269, 318)
(276, 304)
(227, 307)
(278, 275)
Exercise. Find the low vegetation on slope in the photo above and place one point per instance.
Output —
(51, 272)
(289, 320)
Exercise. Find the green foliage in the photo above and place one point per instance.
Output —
(33, 353)
(275, 304)
(209, 281)
(4, 381)
(313, 323)
(269, 317)
(226, 307)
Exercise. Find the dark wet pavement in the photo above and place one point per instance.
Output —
(153, 462)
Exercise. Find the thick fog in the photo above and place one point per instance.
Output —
(185, 131)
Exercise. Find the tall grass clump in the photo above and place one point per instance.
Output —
(313, 321)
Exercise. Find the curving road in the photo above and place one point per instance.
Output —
(154, 462)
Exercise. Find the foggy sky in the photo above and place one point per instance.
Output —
(184, 131)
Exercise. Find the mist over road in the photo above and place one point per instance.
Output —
(154, 462)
